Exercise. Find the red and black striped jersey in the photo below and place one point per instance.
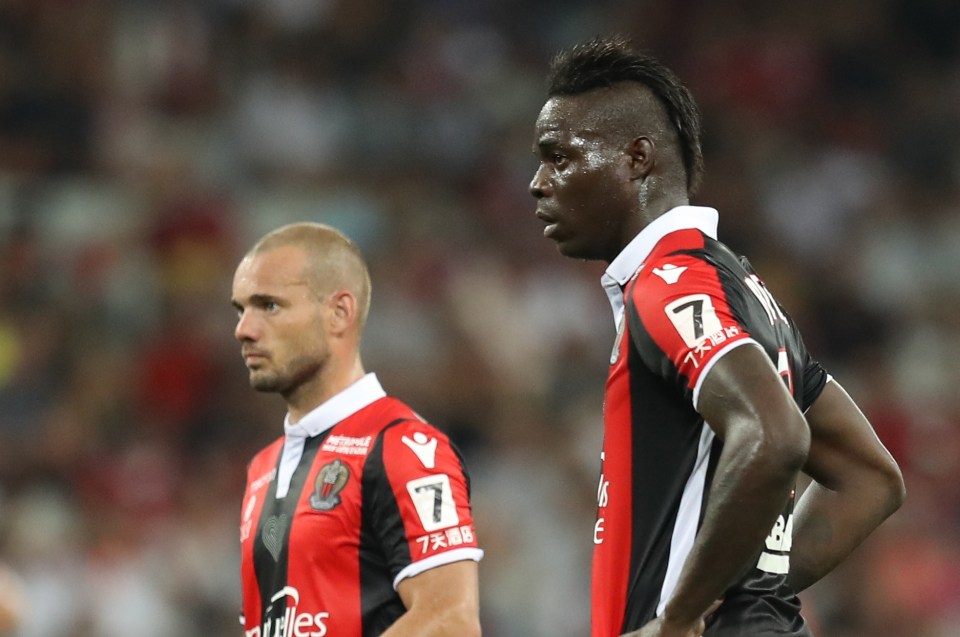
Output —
(358, 495)
(682, 300)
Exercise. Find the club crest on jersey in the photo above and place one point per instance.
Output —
(331, 479)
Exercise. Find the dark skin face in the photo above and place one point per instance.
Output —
(595, 188)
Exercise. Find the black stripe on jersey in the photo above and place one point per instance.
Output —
(380, 606)
(665, 439)
(272, 543)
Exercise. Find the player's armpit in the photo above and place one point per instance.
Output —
(441, 602)
(857, 484)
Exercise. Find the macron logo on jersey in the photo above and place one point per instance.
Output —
(670, 273)
(425, 448)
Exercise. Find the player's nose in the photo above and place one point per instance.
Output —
(246, 329)
(540, 184)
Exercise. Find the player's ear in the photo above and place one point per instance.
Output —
(640, 152)
(343, 311)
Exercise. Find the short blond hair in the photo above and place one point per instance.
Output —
(335, 259)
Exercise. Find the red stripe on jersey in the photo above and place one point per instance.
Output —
(613, 529)
(681, 303)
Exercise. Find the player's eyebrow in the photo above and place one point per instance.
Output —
(544, 143)
(256, 300)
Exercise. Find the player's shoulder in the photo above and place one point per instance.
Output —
(412, 446)
(398, 418)
(669, 274)
(411, 430)
(684, 261)
(377, 418)
(394, 421)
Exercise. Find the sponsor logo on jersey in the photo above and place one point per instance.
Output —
(670, 273)
(603, 498)
(452, 537)
(776, 556)
(331, 479)
(424, 447)
(347, 445)
(292, 623)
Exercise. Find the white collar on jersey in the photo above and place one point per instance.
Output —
(337, 408)
(631, 259)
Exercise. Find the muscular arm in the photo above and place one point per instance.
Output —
(857, 485)
(765, 444)
(441, 602)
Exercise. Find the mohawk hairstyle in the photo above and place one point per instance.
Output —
(604, 62)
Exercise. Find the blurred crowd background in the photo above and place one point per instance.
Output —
(144, 145)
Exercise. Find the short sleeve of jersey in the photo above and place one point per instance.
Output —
(815, 378)
(680, 320)
(426, 521)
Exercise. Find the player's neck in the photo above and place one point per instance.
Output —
(336, 376)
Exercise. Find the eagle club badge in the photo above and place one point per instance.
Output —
(331, 479)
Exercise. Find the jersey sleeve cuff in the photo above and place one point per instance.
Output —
(447, 557)
(713, 361)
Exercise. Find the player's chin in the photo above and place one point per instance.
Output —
(264, 382)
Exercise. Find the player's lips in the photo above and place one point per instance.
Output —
(549, 220)
(253, 355)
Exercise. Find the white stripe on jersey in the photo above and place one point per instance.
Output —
(688, 515)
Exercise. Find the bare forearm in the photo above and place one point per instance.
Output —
(829, 525)
(749, 491)
(441, 623)
(857, 486)
(441, 602)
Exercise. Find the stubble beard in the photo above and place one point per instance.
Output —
(287, 380)
(267, 383)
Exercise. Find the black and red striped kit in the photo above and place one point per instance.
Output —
(681, 301)
(358, 495)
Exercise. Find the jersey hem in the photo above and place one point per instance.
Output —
(448, 557)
